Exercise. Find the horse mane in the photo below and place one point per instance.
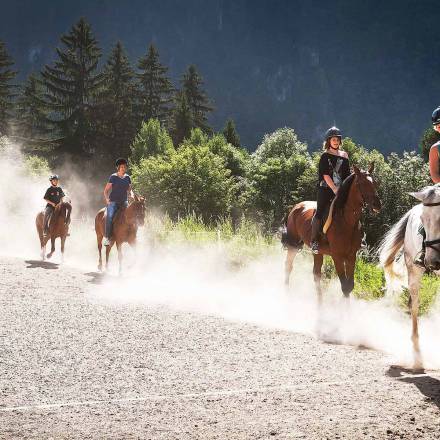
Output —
(344, 190)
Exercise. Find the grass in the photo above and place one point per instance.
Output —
(248, 242)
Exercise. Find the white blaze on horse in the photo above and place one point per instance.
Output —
(405, 236)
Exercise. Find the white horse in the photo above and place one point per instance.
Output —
(405, 234)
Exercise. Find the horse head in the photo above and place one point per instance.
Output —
(138, 206)
(368, 188)
(65, 211)
(430, 218)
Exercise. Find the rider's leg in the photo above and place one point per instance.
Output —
(325, 196)
(111, 211)
(419, 259)
(47, 215)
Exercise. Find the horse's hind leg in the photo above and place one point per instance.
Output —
(100, 254)
(288, 265)
(414, 277)
(107, 254)
(318, 259)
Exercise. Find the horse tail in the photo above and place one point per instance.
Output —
(391, 245)
(287, 238)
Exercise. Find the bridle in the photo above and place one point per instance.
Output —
(432, 243)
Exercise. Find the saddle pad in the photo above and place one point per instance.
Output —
(328, 222)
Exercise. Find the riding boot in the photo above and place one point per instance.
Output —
(316, 229)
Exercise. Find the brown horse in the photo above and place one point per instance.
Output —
(125, 226)
(343, 238)
(58, 228)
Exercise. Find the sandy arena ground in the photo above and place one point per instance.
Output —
(75, 367)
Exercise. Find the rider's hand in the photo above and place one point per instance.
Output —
(336, 189)
(107, 201)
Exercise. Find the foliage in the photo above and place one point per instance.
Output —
(230, 134)
(155, 87)
(6, 89)
(429, 138)
(152, 140)
(281, 144)
(72, 85)
(36, 166)
(190, 180)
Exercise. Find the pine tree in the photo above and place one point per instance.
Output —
(156, 89)
(72, 86)
(182, 122)
(31, 110)
(198, 101)
(117, 120)
(6, 89)
(230, 133)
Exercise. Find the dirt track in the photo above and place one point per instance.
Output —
(74, 367)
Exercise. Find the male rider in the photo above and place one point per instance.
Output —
(53, 196)
(116, 193)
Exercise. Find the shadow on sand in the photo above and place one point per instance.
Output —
(32, 264)
(100, 277)
(427, 385)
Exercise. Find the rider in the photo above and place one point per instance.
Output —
(54, 195)
(334, 167)
(434, 171)
(116, 193)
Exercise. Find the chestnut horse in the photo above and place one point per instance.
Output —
(58, 228)
(343, 238)
(125, 226)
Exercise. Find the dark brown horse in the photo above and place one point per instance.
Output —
(125, 226)
(343, 238)
(58, 228)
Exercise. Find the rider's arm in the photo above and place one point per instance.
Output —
(50, 203)
(107, 191)
(330, 183)
(434, 164)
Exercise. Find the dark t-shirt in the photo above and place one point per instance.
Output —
(119, 188)
(54, 194)
(327, 165)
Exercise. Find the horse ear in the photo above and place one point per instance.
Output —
(422, 194)
(371, 168)
(136, 198)
(356, 170)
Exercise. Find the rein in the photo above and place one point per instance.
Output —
(431, 243)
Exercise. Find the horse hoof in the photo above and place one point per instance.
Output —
(100, 267)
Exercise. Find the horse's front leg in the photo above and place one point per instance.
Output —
(414, 278)
(318, 259)
(119, 248)
(345, 270)
(107, 254)
(52, 247)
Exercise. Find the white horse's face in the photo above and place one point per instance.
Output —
(430, 219)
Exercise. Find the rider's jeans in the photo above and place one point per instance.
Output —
(112, 209)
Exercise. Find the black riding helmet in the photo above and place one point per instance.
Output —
(53, 177)
(436, 116)
(333, 132)
(120, 161)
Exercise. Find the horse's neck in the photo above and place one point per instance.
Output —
(130, 218)
(353, 206)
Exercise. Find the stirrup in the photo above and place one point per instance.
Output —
(314, 246)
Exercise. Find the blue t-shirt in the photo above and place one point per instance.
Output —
(119, 188)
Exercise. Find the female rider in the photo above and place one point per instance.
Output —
(434, 170)
(334, 167)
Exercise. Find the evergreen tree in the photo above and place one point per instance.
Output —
(198, 101)
(72, 85)
(156, 89)
(117, 121)
(230, 134)
(31, 110)
(6, 89)
(182, 121)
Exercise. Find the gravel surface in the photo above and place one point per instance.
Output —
(75, 367)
